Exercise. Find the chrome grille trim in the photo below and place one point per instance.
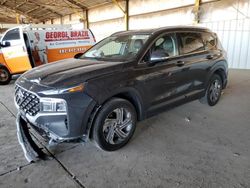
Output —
(27, 101)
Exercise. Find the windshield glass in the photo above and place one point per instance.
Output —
(117, 48)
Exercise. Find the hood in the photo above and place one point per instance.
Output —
(70, 72)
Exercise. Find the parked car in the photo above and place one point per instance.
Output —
(125, 78)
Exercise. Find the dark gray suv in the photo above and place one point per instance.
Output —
(125, 78)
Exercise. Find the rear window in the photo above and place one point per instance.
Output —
(209, 40)
(190, 42)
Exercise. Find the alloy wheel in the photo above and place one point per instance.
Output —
(214, 90)
(117, 126)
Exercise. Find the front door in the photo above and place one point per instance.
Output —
(14, 51)
(166, 81)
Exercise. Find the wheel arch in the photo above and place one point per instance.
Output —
(134, 100)
(7, 81)
(5, 66)
(222, 75)
(128, 94)
(2, 65)
(220, 69)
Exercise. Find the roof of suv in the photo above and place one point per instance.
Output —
(162, 29)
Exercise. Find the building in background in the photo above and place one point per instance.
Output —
(230, 19)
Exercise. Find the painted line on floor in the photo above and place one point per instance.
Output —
(70, 174)
(15, 169)
(76, 180)
(8, 109)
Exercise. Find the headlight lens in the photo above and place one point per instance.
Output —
(78, 88)
(61, 106)
(53, 105)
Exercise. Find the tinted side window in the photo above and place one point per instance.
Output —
(164, 46)
(190, 42)
(209, 40)
(12, 36)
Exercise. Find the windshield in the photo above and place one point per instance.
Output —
(117, 48)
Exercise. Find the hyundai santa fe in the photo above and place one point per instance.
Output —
(125, 78)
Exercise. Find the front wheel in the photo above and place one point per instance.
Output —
(213, 91)
(115, 124)
(5, 76)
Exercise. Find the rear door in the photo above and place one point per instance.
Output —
(196, 58)
(14, 51)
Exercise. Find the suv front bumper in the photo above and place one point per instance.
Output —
(31, 150)
(55, 127)
(25, 135)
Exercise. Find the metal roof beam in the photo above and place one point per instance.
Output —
(44, 15)
(7, 15)
(31, 10)
(16, 11)
(44, 7)
(3, 2)
(21, 4)
(77, 4)
(7, 20)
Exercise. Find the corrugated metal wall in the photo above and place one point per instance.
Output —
(230, 19)
(235, 38)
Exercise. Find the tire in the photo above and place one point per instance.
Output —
(213, 92)
(5, 76)
(114, 125)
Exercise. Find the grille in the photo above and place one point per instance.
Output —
(27, 101)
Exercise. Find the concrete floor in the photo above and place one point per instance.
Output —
(210, 150)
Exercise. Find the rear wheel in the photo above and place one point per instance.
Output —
(115, 124)
(5, 76)
(213, 91)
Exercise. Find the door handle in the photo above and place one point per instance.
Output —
(210, 56)
(180, 63)
(24, 49)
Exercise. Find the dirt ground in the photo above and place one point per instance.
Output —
(192, 145)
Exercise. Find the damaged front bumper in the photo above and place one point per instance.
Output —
(53, 127)
(31, 150)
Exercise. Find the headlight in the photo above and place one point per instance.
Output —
(53, 105)
(78, 88)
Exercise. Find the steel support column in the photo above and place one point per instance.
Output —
(87, 18)
(196, 11)
(17, 18)
(125, 12)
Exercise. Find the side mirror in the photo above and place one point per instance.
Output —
(77, 56)
(157, 58)
(5, 44)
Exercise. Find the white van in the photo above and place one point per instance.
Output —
(25, 47)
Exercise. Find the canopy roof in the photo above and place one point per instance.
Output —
(41, 10)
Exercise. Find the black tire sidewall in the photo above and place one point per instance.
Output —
(214, 77)
(9, 76)
(100, 118)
